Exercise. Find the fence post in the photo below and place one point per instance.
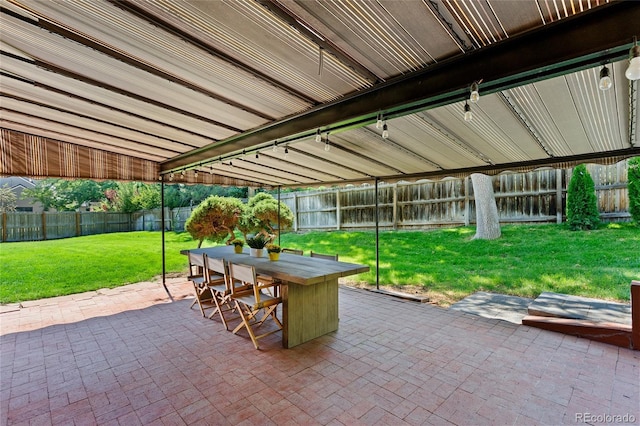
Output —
(559, 196)
(338, 213)
(44, 226)
(78, 229)
(4, 226)
(395, 206)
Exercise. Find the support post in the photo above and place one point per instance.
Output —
(635, 315)
(338, 212)
(377, 238)
(467, 207)
(279, 215)
(295, 212)
(164, 264)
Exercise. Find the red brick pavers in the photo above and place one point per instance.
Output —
(129, 356)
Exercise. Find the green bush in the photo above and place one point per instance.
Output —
(634, 188)
(214, 219)
(582, 203)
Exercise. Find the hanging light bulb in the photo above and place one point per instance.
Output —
(275, 146)
(243, 154)
(475, 95)
(211, 170)
(230, 163)
(257, 155)
(195, 173)
(605, 80)
(468, 115)
(318, 136)
(379, 123)
(327, 146)
(171, 176)
(286, 152)
(633, 71)
(182, 174)
(385, 131)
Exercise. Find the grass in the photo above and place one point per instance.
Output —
(445, 264)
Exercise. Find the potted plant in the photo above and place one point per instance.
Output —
(274, 251)
(237, 245)
(257, 244)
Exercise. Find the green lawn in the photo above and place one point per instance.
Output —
(447, 264)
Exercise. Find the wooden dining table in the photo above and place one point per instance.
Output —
(309, 289)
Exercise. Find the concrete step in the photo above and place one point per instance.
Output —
(581, 308)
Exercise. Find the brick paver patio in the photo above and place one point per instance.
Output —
(128, 356)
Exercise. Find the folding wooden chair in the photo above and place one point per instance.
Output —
(292, 251)
(217, 279)
(203, 295)
(250, 300)
(324, 256)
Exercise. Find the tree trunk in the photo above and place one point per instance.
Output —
(487, 222)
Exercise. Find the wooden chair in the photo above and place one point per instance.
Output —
(250, 300)
(203, 296)
(292, 251)
(217, 279)
(324, 256)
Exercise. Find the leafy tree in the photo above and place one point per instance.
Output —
(215, 218)
(634, 188)
(67, 195)
(181, 195)
(262, 215)
(44, 191)
(7, 200)
(123, 197)
(147, 197)
(582, 203)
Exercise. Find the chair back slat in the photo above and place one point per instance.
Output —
(293, 251)
(324, 256)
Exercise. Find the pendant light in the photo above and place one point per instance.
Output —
(605, 80)
(633, 71)
(385, 131)
(379, 122)
(286, 152)
(468, 115)
(318, 136)
(327, 146)
(475, 94)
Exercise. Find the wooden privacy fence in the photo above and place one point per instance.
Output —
(537, 196)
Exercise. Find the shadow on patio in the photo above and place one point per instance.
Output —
(126, 356)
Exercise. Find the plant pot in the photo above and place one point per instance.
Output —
(256, 252)
(274, 256)
(237, 249)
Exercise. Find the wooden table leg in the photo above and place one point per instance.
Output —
(308, 311)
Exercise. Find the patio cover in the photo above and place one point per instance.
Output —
(202, 91)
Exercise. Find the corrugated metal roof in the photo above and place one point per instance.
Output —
(208, 85)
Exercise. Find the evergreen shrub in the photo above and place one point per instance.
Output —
(582, 203)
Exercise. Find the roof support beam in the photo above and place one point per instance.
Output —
(602, 34)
